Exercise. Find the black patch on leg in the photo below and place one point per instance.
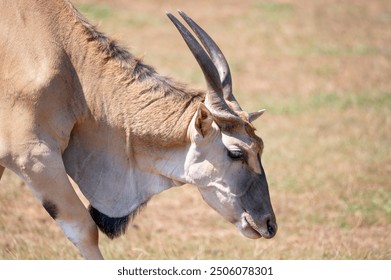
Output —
(112, 227)
(51, 208)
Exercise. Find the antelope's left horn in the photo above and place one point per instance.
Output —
(218, 59)
(214, 98)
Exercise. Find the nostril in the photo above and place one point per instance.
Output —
(271, 228)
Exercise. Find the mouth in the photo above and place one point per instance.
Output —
(250, 229)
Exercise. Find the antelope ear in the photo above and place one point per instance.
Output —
(253, 116)
(203, 119)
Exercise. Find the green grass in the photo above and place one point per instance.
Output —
(96, 11)
(274, 10)
(327, 49)
(105, 13)
(330, 100)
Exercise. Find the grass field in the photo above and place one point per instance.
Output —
(322, 69)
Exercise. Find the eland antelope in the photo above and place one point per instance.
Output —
(74, 103)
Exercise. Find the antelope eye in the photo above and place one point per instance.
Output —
(235, 155)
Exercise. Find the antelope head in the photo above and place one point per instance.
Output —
(224, 157)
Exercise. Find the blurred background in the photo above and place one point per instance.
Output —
(321, 69)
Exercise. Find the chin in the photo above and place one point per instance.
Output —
(248, 231)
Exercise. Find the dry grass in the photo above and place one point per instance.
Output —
(322, 70)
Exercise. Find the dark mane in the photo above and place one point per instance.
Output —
(159, 109)
(113, 227)
(107, 46)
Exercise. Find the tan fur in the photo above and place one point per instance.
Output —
(157, 109)
(67, 90)
(75, 103)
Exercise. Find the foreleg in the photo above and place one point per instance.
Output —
(44, 172)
